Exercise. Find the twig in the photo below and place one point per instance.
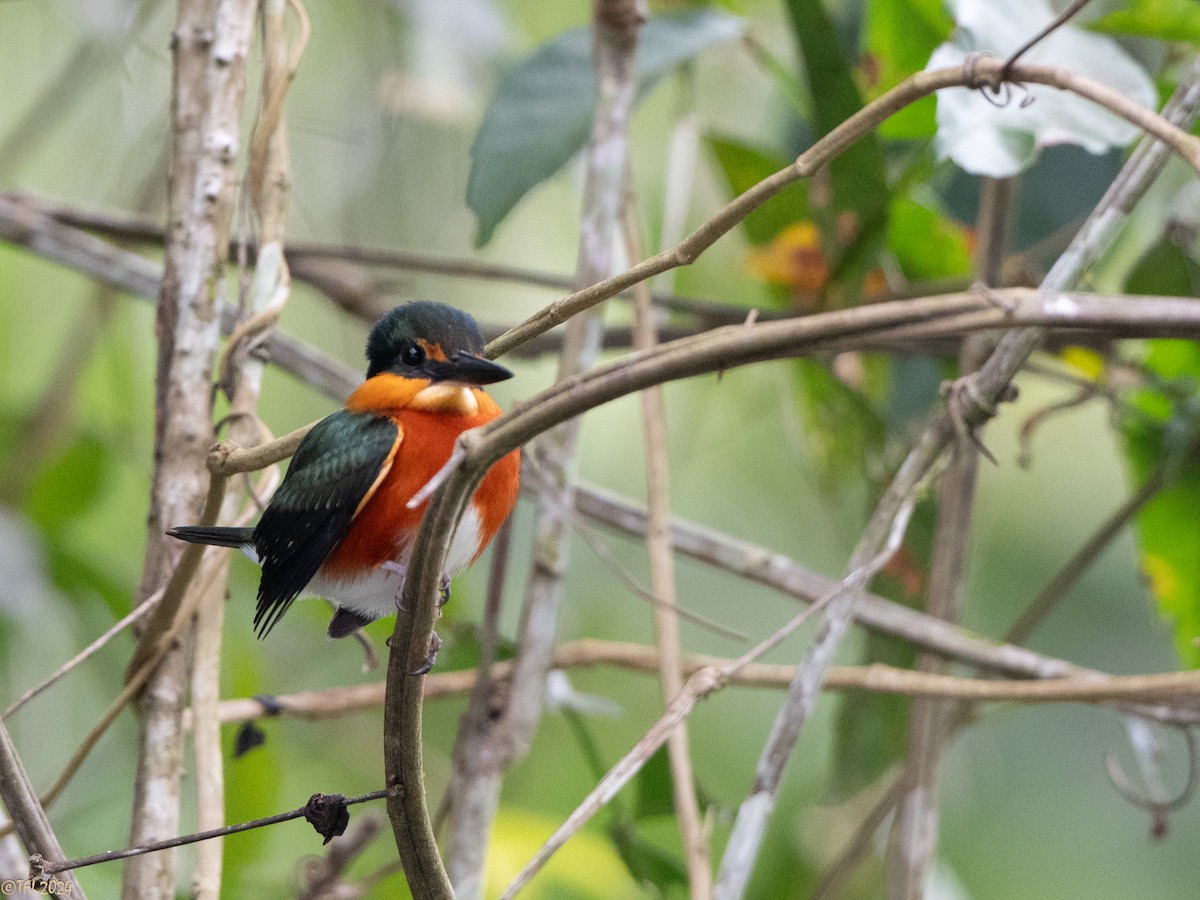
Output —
(28, 816)
(307, 258)
(83, 655)
(322, 876)
(210, 48)
(986, 388)
(1057, 587)
(982, 71)
(493, 740)
(25, 226)
(885, 531)
(662, 584)
(856, 849)
(700, 685)
(1173, 689)
(915, 829)
(1060, 20)
(66, 865)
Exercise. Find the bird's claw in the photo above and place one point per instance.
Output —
(435, 644)
(443, 590)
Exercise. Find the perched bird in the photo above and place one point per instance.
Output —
(340, 526)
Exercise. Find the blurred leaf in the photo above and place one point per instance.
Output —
(655, 793)
(1166, 431)
(927, 245)
(913, 388)
(1000, 139)
(841, 428)
(901, 36)
(542, 111)
(647, 862)
(743, 167)
(793, 259)
(853, 225)
(1165, 20)
(1164, 270)
(1085, 361)
(1168, 537)
(586, 867)
(77, 574)
(69, 485)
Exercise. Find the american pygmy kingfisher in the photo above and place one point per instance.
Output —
(340, 526)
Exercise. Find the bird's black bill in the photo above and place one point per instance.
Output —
(472, 369)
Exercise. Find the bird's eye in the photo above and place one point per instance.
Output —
(412, 355)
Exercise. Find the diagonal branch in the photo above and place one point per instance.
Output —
(968, 409)
(979, 72)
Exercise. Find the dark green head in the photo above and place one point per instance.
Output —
(431, 340)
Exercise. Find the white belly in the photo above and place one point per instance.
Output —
(375, 594)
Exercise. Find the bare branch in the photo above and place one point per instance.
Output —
(982, 71)
(489, 741)
(67, 865)
(969, 408)
(662, 585)
(28, 817)
(211, 44)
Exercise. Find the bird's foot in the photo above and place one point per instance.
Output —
(443, 590)
(435, 644)
(346, 621)
(401, 570)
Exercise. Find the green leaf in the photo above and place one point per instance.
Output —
(1163, 429)
(901, 36)
(1165, 20)
(542, 111)
(1164, 270)
(69, 485)
(646, 861)
(858, 173)
(926, 244)
(745, 166)
(841, 428)
(655, 794)
(1168, 532)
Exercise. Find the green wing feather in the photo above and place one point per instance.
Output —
(331, 473)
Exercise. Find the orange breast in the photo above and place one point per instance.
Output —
(385, 527)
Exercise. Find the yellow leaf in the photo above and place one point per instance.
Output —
(586, 866)
(1085, 361)
(1164, 581)
(793, 258)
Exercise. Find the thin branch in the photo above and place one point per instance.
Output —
(323, 876)
(85, 654)
(968, 409)
(915, 827)
(210, 47)
(1065, 578)
(981, 71)
(66, 865)
(28, 815)
(700, 685)
(1058, 22)
(490, 739)
(1176, 690)
(308, 257)
(25, 226)
(662, 581)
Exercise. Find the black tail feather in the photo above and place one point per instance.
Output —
(218, 536)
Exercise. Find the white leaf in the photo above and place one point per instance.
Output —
(1000, 135)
